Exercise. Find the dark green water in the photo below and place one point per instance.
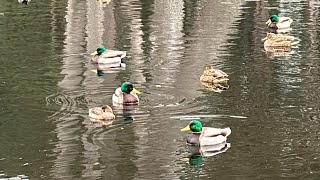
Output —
(47, 85)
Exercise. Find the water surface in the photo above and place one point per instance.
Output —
(48, 84)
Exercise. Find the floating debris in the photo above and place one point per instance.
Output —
(24, 1)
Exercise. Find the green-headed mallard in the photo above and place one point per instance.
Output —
(109, 57)
(205, 136)
(279, 22)
(126, 94)
(213, 76)
(103, 113)
(277, 42)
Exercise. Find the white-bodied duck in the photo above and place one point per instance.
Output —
(205, 136)
(108, 57)
(126, 94)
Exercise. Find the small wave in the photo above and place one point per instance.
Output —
(207, 116)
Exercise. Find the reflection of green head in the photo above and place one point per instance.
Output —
(274, 18)
(126, 87)
(100, 73)
(195, 126)
(101, 50)
(195, 160)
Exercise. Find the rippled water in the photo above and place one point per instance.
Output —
(48, 84)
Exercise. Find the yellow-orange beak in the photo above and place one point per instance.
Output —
(268, 22)
(185, 129)
(94, 53)
(136, 91)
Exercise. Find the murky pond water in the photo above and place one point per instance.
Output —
(47, 85)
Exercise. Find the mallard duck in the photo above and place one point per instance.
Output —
(277, 42)
(213, 76)
(205, 136)
(24, 1)
(126, 94)
(103, 113)
(110, 57)
(279, 22)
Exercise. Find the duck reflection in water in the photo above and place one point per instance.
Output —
(101, 70)
(198, 152)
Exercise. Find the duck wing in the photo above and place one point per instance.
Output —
(211, 132)
(285, 19)
(110, 54)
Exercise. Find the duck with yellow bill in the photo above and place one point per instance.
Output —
(205, 136)
(126, 94)
(108, 57)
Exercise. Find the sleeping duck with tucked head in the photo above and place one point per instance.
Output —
(205, 136)
(108, 57)
(278, 42)
(213, 76)
(103, 113)
(126, 94)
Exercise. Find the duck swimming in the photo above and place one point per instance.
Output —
(277, 22)
(205, 136)
(126, 94)
(108, 57)
(213, 76)
(278, 42)
(103, 113)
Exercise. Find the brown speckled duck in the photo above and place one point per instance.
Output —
(103, 113)
(214, 76)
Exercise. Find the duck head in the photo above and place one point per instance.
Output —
(193, 126)
(273, 19)
(106, 108)
(99, 51)
(128, 87)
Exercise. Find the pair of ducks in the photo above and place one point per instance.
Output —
(126, 94)
(278, 42)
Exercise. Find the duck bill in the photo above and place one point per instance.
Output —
(185, 129)
(94, 53)
(264, 39)
(136, 91)
(268, 22)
